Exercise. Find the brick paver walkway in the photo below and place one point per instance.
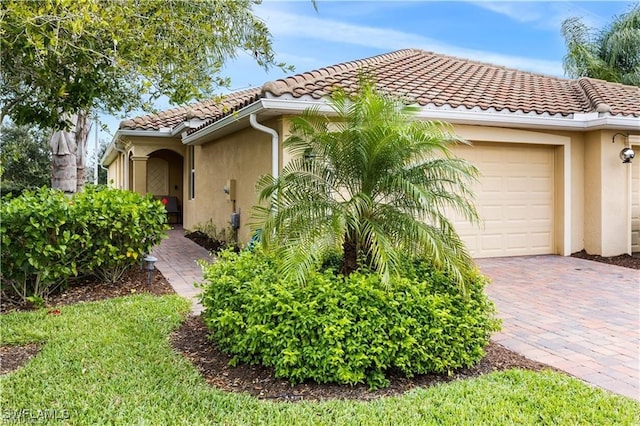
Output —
(577, 315)
(177, 260)
(580, 316)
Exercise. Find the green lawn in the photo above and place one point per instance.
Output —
(110, 362)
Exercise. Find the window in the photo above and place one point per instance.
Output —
(192, 172)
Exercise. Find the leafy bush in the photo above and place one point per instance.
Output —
(41, 243)
(344, 329)
(48, 238)
(123, 227)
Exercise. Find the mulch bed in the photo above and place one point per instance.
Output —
(625, 260)
(205, 241)
(14, 357)
(87, 290)
(191, 340)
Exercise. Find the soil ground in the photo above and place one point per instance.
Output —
(191, 341)
(625, 260)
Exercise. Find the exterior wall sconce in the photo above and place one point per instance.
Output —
(149, 264)
(626, 155)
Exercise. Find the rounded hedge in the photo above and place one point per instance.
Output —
(49, 238)
(344, 329)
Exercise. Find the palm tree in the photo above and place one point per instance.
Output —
(612, 54)
(373, 182)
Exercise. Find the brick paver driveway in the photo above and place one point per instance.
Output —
(580, 316)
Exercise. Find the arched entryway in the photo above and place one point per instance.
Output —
(164, 174)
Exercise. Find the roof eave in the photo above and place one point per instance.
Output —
(206, 133)
(573, 122)
(576, 121)
(111, 153)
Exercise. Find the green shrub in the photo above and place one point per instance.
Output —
(48, 238)
(344, 330)
(123, 226)
(41, 243)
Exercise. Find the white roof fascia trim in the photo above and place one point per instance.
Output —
(186, 125)
(515, 120)
(196, 137)
(108, 153)
(163, 133)
(579, 121)
(296, 105)
(179, 128)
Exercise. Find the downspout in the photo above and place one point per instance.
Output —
(106, 169)
(125, 184)
(275, 146)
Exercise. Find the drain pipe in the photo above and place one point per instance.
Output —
(275, 147)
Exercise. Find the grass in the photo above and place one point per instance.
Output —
(110, 362)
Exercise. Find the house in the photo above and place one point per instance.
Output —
(548, 148)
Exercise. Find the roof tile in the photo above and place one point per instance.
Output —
(430, 80)
(206, 110)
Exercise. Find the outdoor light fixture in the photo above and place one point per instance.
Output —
(149, 263)
(627, 154)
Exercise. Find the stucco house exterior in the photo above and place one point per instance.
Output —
(548, 149)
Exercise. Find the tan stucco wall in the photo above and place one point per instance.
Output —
(116, 172)
(144, 145)
(138, 149)
(243, 156)
(113, 176)
(593, 194)
(591, 210)
(607, 201)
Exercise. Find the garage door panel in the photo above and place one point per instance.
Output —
(514, 198)
(491, 184)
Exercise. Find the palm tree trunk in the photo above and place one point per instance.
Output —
(350, 254)
(68, 150)
(83, 127)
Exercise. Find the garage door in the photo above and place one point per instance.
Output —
(514, 197)
(635, 202)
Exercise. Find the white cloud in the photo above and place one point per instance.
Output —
(289, 25)
(518, 11)
(547, 15)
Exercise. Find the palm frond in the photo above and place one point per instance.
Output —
(372, 176)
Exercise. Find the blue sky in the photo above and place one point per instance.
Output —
(523, 35)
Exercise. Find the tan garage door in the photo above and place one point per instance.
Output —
(635, 202)
(514, 197)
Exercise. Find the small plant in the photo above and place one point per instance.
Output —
(345, 329)
(207, 235)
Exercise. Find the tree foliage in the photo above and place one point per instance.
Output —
(60, 57)
(372, 182)
(25, 158)
(611, 54)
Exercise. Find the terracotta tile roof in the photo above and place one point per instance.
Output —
(436, 81)
(206, 110)
(431, 80)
